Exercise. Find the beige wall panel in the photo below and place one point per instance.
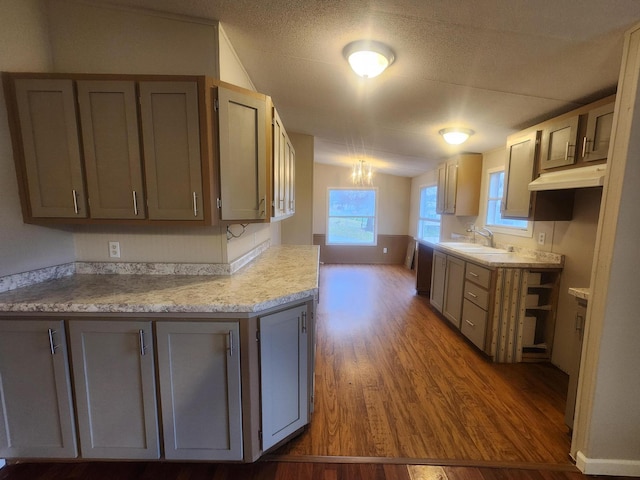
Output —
(298, 229)
(100, 39)
(151, 244)
(231, 69)
(254, 235)
(24, 37)
(394, 195)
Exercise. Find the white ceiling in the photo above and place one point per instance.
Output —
(495, 66)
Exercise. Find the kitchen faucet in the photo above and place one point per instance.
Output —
(483, 232)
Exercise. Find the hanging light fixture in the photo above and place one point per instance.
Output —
(368, 58)
(455, 136)
(362, 174)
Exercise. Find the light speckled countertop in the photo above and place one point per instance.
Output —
(518, 259)
(582, 293)
(282, 274)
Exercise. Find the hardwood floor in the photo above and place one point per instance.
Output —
(394, 380)
(399, 396)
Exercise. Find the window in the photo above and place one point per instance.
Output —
(429, 220)
(352, 216)
(494, 218)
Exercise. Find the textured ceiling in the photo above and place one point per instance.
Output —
(495, 66)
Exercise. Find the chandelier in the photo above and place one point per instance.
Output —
(362, 174)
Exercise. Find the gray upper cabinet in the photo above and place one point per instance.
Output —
(559, 144)
(284, 162)
(595, 143)
(36, 418)
(51, 152)
(171, 139)
(519, 171)
(199, 374)
(459, 185)
(113, 369)
(242, 134)
(111, 147)
(284, 358)
(451, 186)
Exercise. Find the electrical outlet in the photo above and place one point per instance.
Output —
(384, 250)
(541, 238)
(114, 249)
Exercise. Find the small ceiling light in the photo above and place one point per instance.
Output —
(368, 58)
(455, 136)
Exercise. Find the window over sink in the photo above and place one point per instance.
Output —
(493, 217)
(428, 220)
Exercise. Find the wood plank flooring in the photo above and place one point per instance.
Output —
(394, 380)
(399, 396)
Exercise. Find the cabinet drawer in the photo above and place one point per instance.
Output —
(476, 294)
(474, 323)
(478, 275)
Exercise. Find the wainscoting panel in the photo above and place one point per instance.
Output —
(396, 246)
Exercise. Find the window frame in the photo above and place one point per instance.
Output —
(427, 219)
(375, 217)
(503, 229)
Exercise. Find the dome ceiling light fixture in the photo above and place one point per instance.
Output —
(368, 58)
(456, 136)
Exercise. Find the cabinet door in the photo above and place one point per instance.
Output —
(115, 389)
(49, 130)
(171, 140)
(474, 323)
(595, 144)
(521, 157)
(451, 188)
(290, 178)
(559, 143)
(284, 374)
(453, 290)
(36, 418)
(279, 166)
(442, 188)
(243, 155)
(199, 374)
(111, 148)
(438, 275)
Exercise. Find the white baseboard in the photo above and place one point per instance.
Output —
(607, 466)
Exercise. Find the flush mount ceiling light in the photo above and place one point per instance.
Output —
(368, 58)
(455, 136)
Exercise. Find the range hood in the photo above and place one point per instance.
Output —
(581, 177)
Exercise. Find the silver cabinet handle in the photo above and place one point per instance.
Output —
(471, 294)
(304, 322)
(75, 201)
(230, 340)
(470, 323)
(584, 147)
(135, 203)
(195, 204)
(474, 274)
(52, 344)
(566, 152)
(579, 322)
(143, 347)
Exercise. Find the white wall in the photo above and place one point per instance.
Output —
(24, 40)
(298, 229)
(394, 195)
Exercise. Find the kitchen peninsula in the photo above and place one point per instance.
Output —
(180, 367)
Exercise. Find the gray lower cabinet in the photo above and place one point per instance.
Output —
(36, 418)
(113, 370)
(284, 369)
(438, 274)
(453, 290)
(199, 375)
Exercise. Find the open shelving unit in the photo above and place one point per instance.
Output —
(540, 314)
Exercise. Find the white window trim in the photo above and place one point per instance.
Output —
(433, 184)
(375, 223)
(517, 232)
